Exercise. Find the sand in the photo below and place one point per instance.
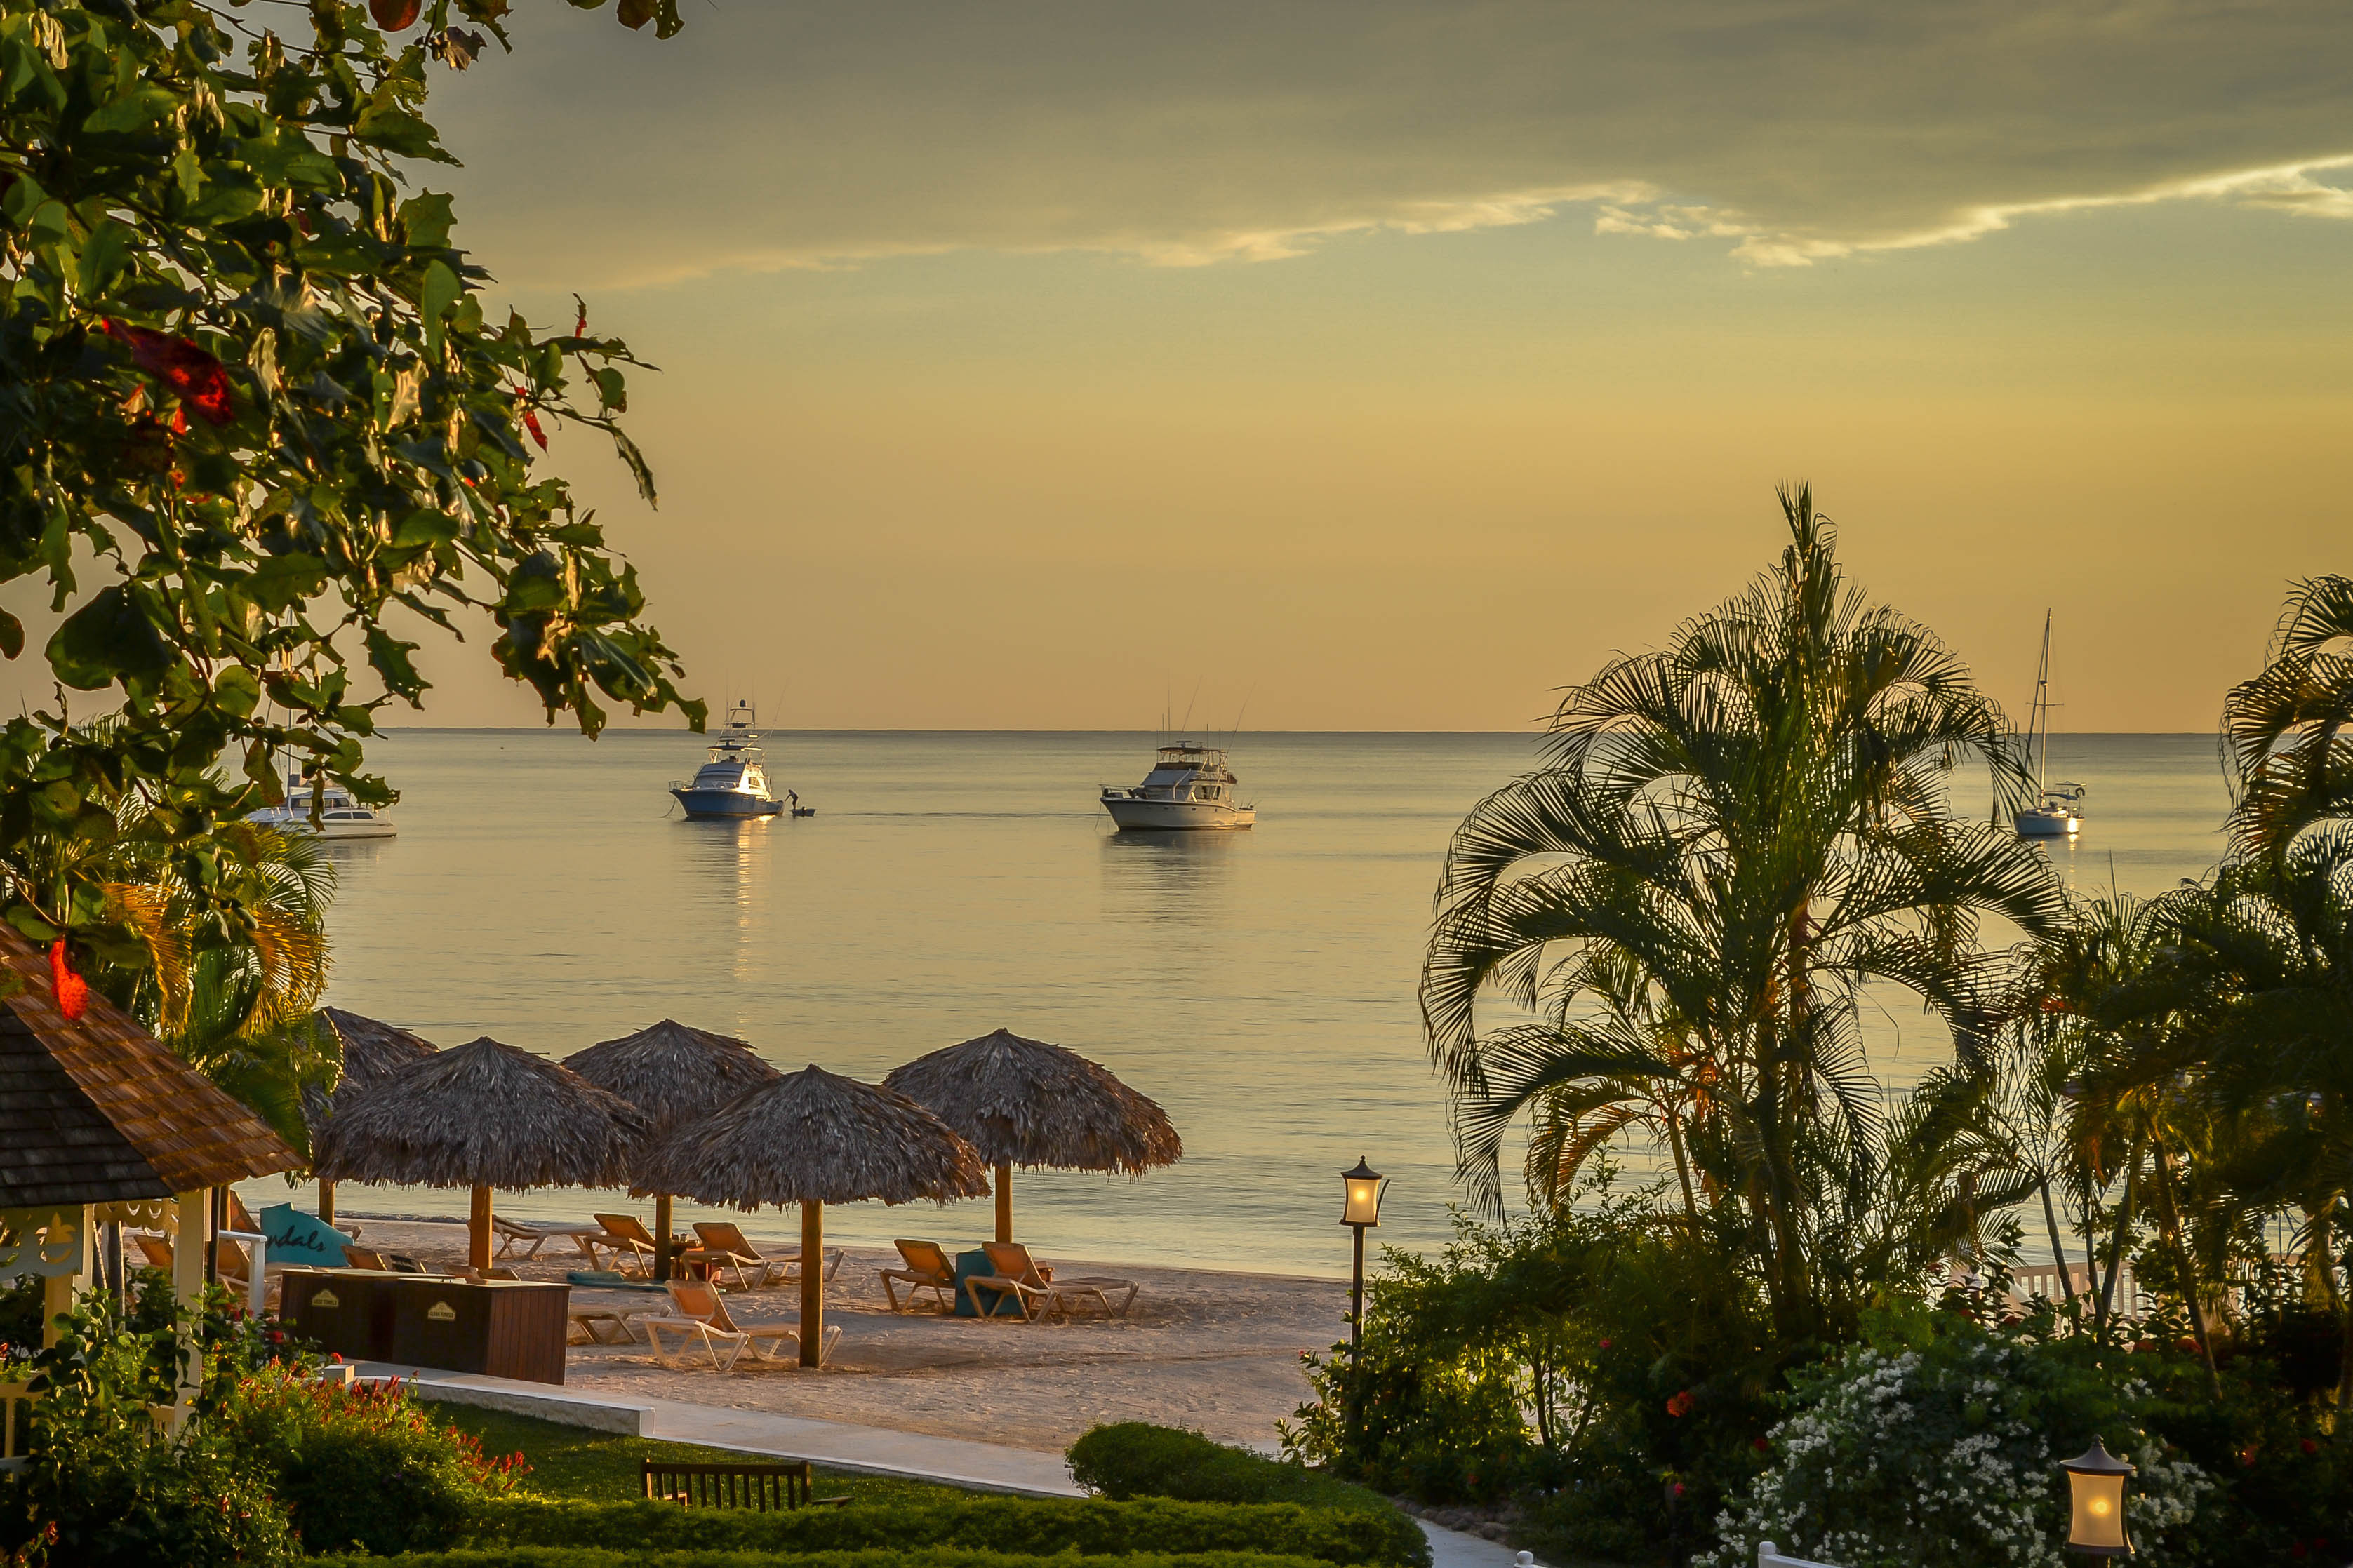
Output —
(1219, 1352)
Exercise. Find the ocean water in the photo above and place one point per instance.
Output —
(1260, 986)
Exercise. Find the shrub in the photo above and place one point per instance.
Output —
(365, 1467)
(1938, 1446)
(1021, 1526)
(1135, 1459)
(929, 1557)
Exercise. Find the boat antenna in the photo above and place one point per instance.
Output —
(1187, 724)
(1245, 712)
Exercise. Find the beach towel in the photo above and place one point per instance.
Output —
(1001, 1303)
(608, 1279)
(298, 1238)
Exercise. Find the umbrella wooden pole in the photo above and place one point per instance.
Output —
(478, 1230)
(1004, 1184)
(326, 1202)
(661, 1235)
(812, 1283)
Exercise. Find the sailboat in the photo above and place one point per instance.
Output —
(2056, 812)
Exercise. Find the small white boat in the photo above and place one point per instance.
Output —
(734, 780)
(2054, 815)
(1189, 786)
(340, 816)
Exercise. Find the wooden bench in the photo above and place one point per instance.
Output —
(767, 1488)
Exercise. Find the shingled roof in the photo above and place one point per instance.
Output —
(99, 1111)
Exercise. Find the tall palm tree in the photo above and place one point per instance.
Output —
(1754, 821)
(2289, 730)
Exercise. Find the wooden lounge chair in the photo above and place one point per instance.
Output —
(928, 1268)
(156, 1249)
(697, 1313)
(623, 1234)
(1037, 1293)
(723, 1245)
(360, 1257)
(513, 1234)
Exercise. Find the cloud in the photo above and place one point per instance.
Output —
(775, 135)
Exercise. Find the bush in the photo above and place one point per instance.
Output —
(930, 1557)
(1135, 1459)
(1938, 1446)
(1021, 1526)
(364, 1468)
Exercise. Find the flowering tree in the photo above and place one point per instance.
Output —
(253, 409)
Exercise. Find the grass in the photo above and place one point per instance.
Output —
(602, 1467)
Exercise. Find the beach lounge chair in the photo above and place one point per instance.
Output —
(699, 1313)
(360, 1257)
(1039, 1295)
(927, 1268)
(156, 1249)
(513, 1234)
(623, 1234)
(723, 1243)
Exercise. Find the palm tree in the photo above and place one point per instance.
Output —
(2289, 730)
(1755, 822)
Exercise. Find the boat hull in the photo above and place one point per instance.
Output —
(377, 827)
(712, 803)
(2047, 824)
(1165, 816)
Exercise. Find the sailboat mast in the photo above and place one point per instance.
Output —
(2039, 720)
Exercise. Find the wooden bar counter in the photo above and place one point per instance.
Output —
(499, 1327)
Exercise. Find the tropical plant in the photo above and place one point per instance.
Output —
(250, 390)
(1733, 838)
(2289, 733)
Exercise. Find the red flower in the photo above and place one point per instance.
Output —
(1680, 1404)
(529, 418)
(2310, 1447)
(1605, 1345)
(181, 365)
(2186, 1342)
(72, 990)
(1679, 1489)
(1763, 1445)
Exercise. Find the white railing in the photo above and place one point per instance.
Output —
(1768, 1555)
(257, 1286)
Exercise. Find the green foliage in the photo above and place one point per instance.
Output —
(1042, 1527)
(924, 1557)
(253, 382)
(1135, 1459)
(364, 1468)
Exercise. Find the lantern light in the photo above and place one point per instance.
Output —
(2095, 1484)
(1362, 1207)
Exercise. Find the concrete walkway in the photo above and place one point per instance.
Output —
(835, 1445)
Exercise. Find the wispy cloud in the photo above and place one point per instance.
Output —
(775, 135)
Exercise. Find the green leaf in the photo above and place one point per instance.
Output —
(238, 689)
(12, 635)
(425, 219)
(135, 111)
(281, 582)
(397, 131)
(105, 255)
(442, 290)
(106, 641)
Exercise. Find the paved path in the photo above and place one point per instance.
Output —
(863, 1450)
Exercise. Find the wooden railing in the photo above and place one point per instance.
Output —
(768, 1489)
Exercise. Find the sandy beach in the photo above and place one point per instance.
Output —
(1216, 1352)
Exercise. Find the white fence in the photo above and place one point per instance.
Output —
(1768, 1555)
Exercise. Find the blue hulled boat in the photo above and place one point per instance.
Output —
(735, 782)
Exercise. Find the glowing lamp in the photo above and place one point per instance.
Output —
(1363, 1203)
(2095, 1484)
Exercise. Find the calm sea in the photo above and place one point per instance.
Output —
(1260, 986)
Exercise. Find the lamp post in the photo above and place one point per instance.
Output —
(2095, 1487)
(1360, 1212)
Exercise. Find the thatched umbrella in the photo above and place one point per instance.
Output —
(677, 1075)
(371, 1049)
(481, 1116)
(815, 1138)
(1024, 1102)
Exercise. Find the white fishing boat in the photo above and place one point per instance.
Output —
(339, 815)
(1189, 786)
(734, 780)
(2056, 812)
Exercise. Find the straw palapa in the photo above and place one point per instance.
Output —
(371, 1049)
(673, 1073)
(1024, 1102)
(817, 1137)
(481, 1115)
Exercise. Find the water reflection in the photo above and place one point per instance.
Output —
(726, 860)
(1159, 876)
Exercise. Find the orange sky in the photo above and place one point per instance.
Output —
(1388, 366)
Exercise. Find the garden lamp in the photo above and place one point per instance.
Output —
(1359, 1212)
(2095, 1483)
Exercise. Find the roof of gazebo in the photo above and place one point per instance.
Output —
(1024, 1102)
(671, 1072)
(99, 1111)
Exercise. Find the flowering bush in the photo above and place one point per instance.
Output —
(1943, 1447)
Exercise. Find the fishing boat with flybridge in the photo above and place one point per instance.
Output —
(1189, 786)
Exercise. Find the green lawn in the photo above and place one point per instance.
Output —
(602, 1467)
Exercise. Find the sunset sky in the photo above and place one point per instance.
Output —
(1386, 366)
